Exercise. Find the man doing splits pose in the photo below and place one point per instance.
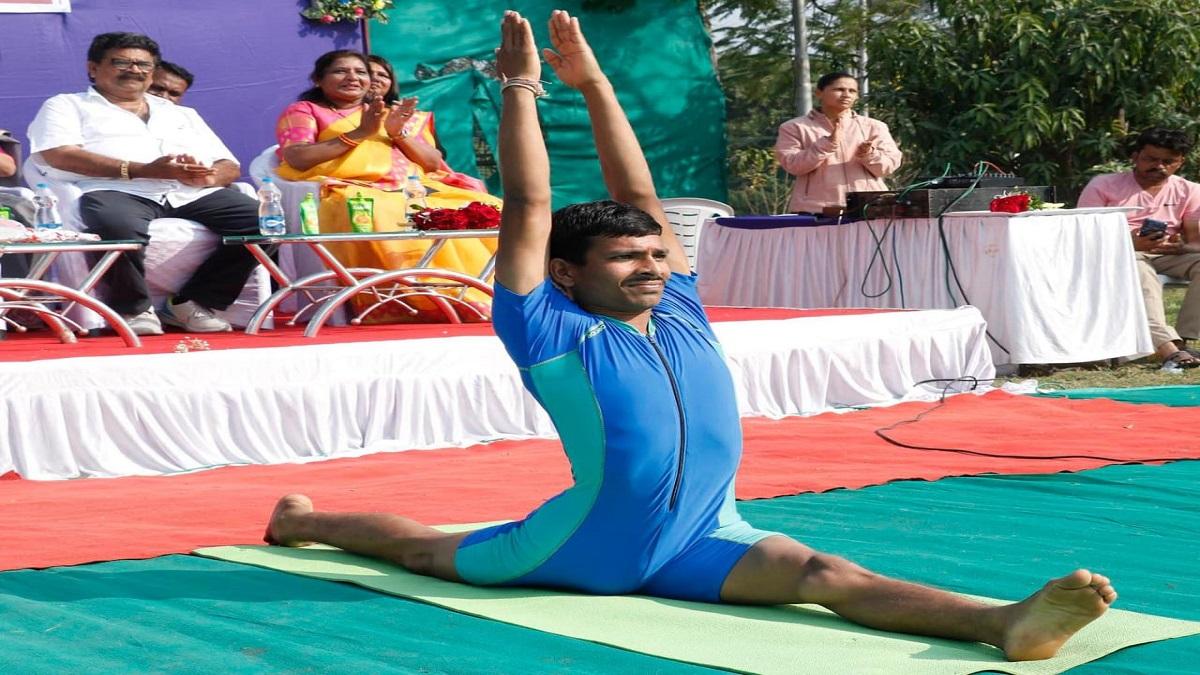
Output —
(616, 347)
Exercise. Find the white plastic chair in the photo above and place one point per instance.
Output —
(687, 216)
(1167, 281)
(176, 249)
(295, 261)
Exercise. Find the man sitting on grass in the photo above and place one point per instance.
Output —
(598, 308)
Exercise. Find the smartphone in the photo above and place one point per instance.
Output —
(1151, 228)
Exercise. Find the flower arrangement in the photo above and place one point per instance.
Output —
(1019, 201)
(473, 216)
(329, 11)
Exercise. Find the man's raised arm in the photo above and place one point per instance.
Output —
(524, 165)
(626, 174)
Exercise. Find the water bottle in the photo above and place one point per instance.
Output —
(415, 192)
(271, 222)
(46, 217)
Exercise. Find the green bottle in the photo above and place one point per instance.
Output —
(308, 215)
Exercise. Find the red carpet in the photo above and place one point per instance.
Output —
(39, 345)
(69, 522)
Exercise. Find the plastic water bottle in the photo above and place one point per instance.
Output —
(46, 217)
(415, 192)
(271, 222)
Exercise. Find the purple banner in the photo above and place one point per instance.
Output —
(250, 59)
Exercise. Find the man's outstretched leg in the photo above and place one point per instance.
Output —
(779, 570)
(413, 546)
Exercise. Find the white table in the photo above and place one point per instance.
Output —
(1054, 287)
(45, 297)
(327, 291)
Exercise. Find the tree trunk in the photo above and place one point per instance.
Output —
(802, 77)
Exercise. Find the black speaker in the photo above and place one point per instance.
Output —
(931, 203)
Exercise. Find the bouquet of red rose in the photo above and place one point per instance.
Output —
(1013, 203)
(473, 216)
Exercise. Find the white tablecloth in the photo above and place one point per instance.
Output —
(1053, 288)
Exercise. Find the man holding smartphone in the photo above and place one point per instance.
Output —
(1165, 230)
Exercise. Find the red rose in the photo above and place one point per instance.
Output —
(328, 18)
(482, 216)
(1010, 204)
(358, 11)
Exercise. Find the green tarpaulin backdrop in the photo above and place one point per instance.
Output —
(656, 52)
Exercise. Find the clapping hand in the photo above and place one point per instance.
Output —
(399, 114)
(572, 59)
(517, 56)
(372, 118)
(865, 149)
(835, 136)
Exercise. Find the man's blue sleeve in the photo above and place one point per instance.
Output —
(538, 326)
(681, 298)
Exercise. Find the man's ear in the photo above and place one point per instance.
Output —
(562, 273)
(91, 71)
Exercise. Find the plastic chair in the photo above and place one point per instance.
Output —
(295, 261)
(176, 249)
(1168, 281)
(687, 216)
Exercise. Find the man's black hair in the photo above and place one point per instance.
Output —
(1175, 140)
(573, 227)
(106, 42)
(178, 71)
(830, 78)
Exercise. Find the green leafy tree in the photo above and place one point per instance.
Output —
(1049, 89)
(754, 43)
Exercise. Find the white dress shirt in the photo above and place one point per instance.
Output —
(92, 122)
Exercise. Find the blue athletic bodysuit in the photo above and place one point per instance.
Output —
(650, 426)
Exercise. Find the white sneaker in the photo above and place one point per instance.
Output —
(146, 323)
(194, 318)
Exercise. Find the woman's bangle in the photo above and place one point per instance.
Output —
(402, 135)
(534, 86)
(349, 141)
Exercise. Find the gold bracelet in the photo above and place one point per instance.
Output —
(125, 170)
(349, 141)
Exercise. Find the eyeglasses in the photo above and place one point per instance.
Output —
(127, 64)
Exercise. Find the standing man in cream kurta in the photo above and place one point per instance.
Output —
(833, 150)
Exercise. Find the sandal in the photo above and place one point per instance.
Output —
(1183, 358)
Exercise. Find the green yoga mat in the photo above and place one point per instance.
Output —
(1176, 396)
(750, 639)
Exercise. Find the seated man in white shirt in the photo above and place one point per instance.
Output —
(139, 157)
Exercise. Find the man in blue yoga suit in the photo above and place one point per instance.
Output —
(597, 307)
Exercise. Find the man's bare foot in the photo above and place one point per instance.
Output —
(1040, 624)
(283, 519)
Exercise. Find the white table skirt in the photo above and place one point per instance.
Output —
(1053, 288)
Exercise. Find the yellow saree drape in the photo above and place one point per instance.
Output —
(368, 171)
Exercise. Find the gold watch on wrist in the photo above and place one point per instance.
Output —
(125, 170)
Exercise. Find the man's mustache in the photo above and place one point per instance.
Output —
(643, 277)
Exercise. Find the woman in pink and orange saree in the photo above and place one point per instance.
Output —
(354, 135)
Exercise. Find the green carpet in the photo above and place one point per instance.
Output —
(1000, 535)
(185, 614)
(748, 639)
(996, 536)
(1178, 396)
